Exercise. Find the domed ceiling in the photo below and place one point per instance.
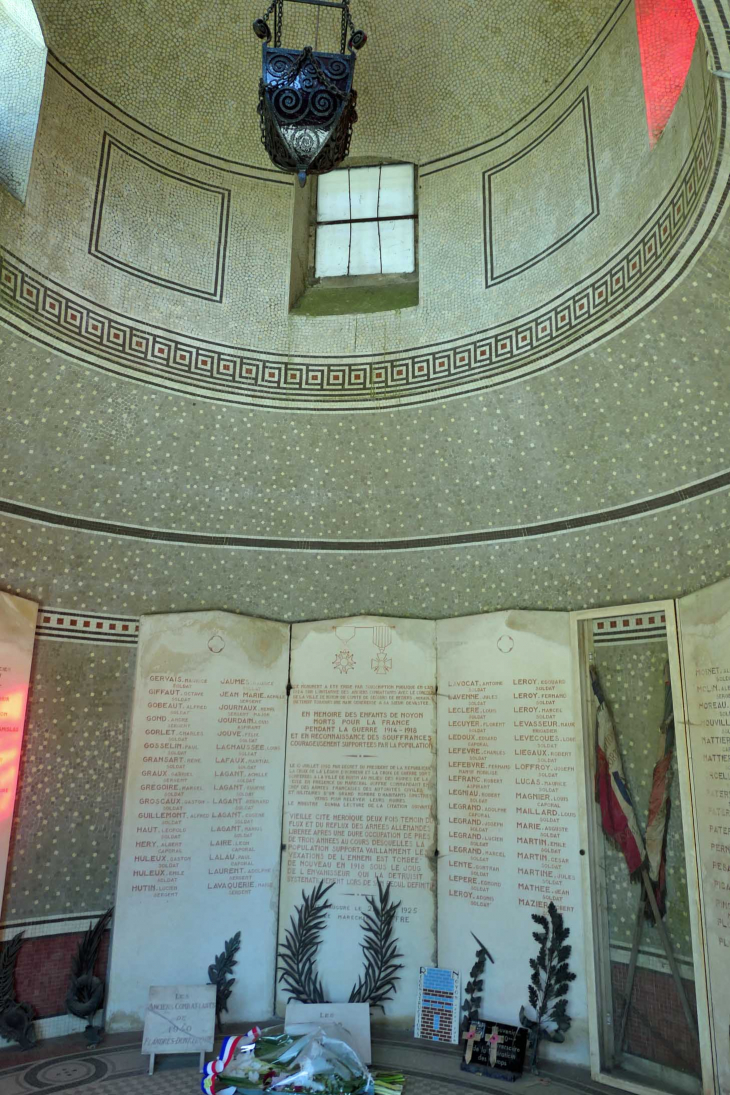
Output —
(435, 76)
(547, 434)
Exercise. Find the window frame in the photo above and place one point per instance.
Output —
(354, 278)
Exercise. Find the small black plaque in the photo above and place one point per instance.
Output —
(495, 1049)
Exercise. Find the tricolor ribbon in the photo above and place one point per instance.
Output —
(208, 1084)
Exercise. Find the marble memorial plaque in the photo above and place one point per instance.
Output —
(348, 1022)
(360, 791)
(179, 1019)
(201, 830)
(17, 635)
(508, 803)
(705, 645)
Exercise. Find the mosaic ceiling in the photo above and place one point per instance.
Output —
(190, 70)
(569, 451)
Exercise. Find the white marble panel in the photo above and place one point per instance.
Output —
(202, 812)
(360, 790)
(508, 804)
(704, 633)
(17, 634)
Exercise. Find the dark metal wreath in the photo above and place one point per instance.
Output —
(86, 991)
(306, 99)
(298, 953)
(549, 983)
(380, 949)
(16, 1020)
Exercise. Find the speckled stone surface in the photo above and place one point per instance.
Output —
(644, 414)
(68, 811)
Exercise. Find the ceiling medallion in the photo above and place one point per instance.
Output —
(306, 99)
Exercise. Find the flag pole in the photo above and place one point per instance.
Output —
(661, 928)
(632, 971)
(663, 935)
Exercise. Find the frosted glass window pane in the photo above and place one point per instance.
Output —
(333, 197)
(396, 245)
(365, 249)
(396, 190)
(333, 246)
(364, 191)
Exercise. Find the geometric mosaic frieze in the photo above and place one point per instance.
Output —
(636, 627)
(63, 626)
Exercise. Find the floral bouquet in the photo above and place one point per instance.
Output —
(310, 1063)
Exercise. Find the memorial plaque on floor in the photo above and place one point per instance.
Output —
(179, 1019)
(350, 1023)
(494, 1049)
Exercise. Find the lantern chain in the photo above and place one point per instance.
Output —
(277, 8)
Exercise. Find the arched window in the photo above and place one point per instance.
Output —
(22, 68)
(667, 33)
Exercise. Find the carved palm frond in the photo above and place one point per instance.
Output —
(549, 983)
(218, 975)
(298, 953)
(84, 961)
(8, 959)
(377, 984)
(475, 985)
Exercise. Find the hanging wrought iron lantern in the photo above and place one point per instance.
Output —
(306, 99)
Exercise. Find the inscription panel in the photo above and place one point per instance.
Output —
(360, 790)
(705, 641)
(508, 802)
(202, 811)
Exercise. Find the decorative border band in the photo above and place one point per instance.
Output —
(701, 488)
(39, 927)
(56, 623)
(622, 629)
(167, 359)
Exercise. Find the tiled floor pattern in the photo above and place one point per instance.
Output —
(117, 1068)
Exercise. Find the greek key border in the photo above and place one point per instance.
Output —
(171, 360)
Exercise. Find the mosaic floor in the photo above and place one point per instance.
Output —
(117, 1068)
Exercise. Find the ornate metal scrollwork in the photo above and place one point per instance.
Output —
(306, 99)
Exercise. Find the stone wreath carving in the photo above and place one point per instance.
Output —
(298, 973)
